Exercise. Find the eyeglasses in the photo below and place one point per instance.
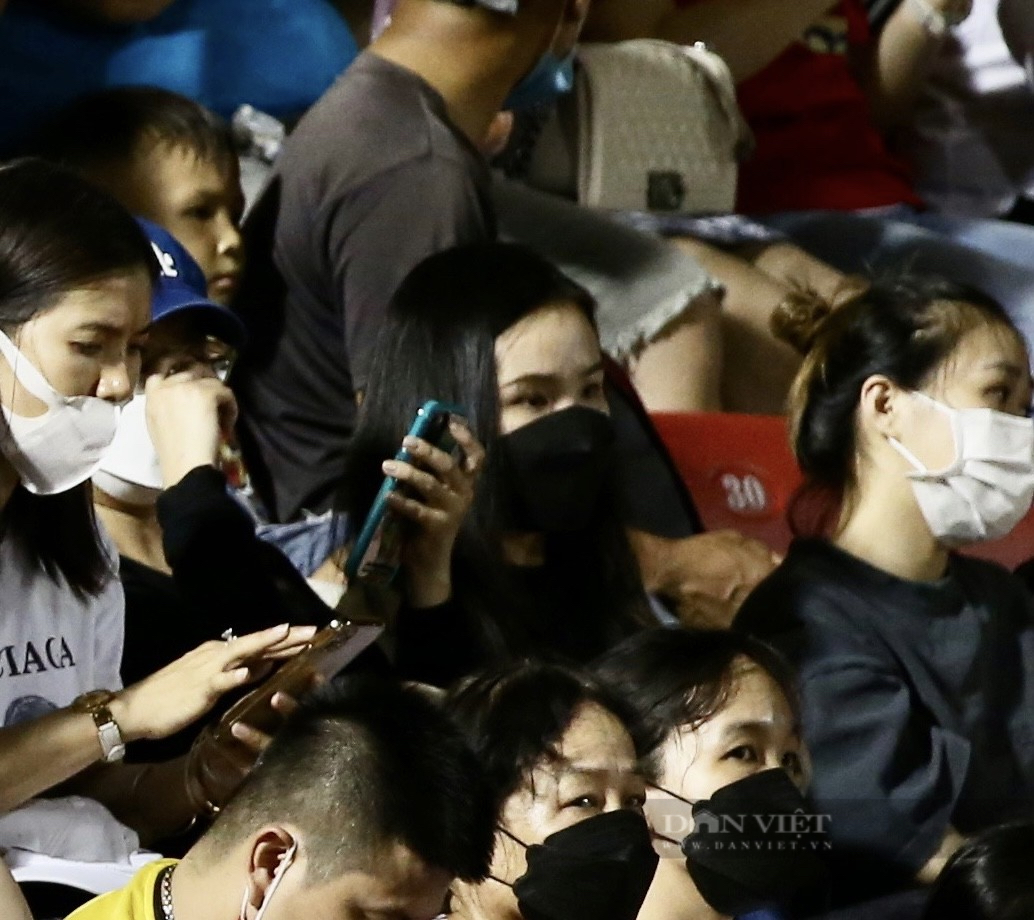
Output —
(211, 352)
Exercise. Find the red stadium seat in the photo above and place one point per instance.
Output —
(741, 474)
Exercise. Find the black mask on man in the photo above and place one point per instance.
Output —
(597, 869)
(557, 467)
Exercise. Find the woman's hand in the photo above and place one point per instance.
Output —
(218, 764)
(707, 576)
(441, 491)
(188, 416)
(185, 690)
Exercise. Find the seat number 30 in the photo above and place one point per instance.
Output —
(744, 494)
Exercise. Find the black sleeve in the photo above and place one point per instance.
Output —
(222, 570)
(435, 645)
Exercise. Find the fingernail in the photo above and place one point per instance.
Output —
(410, 442)
(389, 466)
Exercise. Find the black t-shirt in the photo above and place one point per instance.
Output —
(918, 702)
(224, 577)
(374, 179)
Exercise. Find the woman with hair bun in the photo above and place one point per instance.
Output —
(910, 423)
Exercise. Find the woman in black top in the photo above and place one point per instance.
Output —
(909, 421)
(542, 561)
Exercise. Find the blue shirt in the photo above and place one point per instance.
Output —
(277, 55)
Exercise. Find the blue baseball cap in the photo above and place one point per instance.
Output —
(181, 286)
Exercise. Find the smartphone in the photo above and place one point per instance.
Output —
(378, 548)
(333, 647)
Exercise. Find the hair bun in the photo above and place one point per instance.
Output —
(798, 317)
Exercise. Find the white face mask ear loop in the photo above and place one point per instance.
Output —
(31, 378)
(8, 347)
(286, 859)
(907, 454)
(956, 435)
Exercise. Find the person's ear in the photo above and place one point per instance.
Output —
(272, 852)
(570, 27)
(880, 406)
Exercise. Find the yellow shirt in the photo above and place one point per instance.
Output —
(133, 902)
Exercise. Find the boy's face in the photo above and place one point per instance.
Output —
(197, 201)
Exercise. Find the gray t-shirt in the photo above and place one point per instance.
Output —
(374, 179)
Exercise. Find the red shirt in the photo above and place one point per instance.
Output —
(817, 145)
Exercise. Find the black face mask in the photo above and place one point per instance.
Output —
(755, 844)
(597, 869)
(557, 466)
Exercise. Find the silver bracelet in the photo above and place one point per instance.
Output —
(935, 22)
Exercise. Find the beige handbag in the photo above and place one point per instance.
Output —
(649, 126)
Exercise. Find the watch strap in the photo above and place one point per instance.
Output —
(113, 747)
(109, 735)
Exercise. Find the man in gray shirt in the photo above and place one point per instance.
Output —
(382, 172)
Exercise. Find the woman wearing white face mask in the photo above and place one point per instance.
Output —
(917, 664)
(75, 287)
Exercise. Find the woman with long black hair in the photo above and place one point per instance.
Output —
(542, 561)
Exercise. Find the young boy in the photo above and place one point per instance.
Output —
(166, 158)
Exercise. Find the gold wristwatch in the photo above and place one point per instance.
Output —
(113, 748)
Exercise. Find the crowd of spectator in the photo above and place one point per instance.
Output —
(342, 570)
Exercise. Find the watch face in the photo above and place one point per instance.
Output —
(94, 698)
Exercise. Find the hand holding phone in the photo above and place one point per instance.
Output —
(333, 647)
(427, 491)
(219, 760)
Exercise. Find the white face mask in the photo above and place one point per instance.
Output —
(61, 448)
(285, 863)
(988, 488)
(130, 470)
